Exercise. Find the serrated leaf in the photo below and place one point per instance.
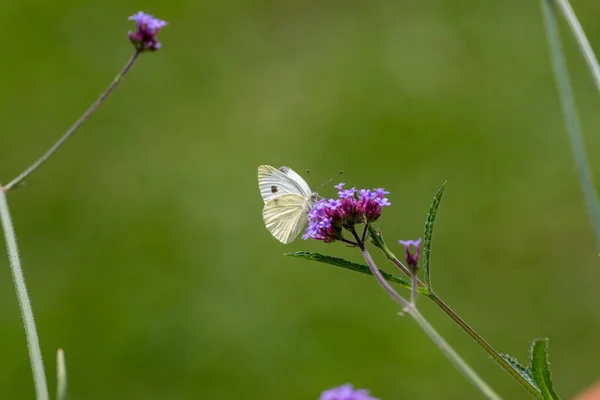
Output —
(352, 266)
(520, 368)
(428, 235)
(540, 369)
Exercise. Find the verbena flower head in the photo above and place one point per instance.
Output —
(144, 39)
(346, 392)
(412, 259)
(329, 217)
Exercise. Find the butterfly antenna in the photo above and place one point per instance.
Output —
(329, 180)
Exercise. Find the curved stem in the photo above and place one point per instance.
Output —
(381, 280)
(438, 340)
(493, 353)
(35, 354)
(19, 179)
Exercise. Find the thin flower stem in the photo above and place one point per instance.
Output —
(582, 40)
(438, 340)
(381, 280)
(495, 355)
(19, 179)
(349, 242)
(364, 234)
(413, 287)
(35, 354)
(570, 111)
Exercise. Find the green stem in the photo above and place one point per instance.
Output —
(495, 355)
(35, 354)
(570, 114)
(61, 375)
(411, 309)
(582, 40)
(31, 169)
(454, 358)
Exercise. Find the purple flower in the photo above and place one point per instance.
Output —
(412, 259)
(329, 217)
(346, 392)
(144, 39)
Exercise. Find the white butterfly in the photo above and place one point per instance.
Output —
(288, 199)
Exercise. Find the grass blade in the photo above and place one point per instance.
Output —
(582, 40)
(61, 375)
(572, 121)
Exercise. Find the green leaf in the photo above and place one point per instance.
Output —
(429, 222)
(540, 369)
(520, 368)
(352, 266)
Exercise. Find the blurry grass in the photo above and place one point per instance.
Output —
(571, 118)
(143, 245)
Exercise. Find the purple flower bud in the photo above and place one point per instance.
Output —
(412, 259)
(346, 392)
(144, 39)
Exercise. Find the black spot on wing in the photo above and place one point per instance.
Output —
(274, 189)
(285, 170)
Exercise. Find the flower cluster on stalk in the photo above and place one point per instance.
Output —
(329, 217)
(144, 39)
(346, 392)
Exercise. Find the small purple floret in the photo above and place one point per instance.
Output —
(412, 259)
(144, 39)
(329, 217)
(346, 392)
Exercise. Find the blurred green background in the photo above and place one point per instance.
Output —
(143, 244)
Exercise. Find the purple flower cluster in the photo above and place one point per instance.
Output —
(144, 39)
(346, 392)
(329, 216)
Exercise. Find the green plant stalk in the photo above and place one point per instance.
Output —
(35, 354)
(61, 375)
(40, 161)
(436, 338)
(570, 114)
(581, 39)
(495, 355)
(454, 358)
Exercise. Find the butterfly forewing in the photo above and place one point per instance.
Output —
(275, 182)
(287, 198)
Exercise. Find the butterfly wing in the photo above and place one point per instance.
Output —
(275, 182)
(285, 216)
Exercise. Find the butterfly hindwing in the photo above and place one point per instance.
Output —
(285, 216)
